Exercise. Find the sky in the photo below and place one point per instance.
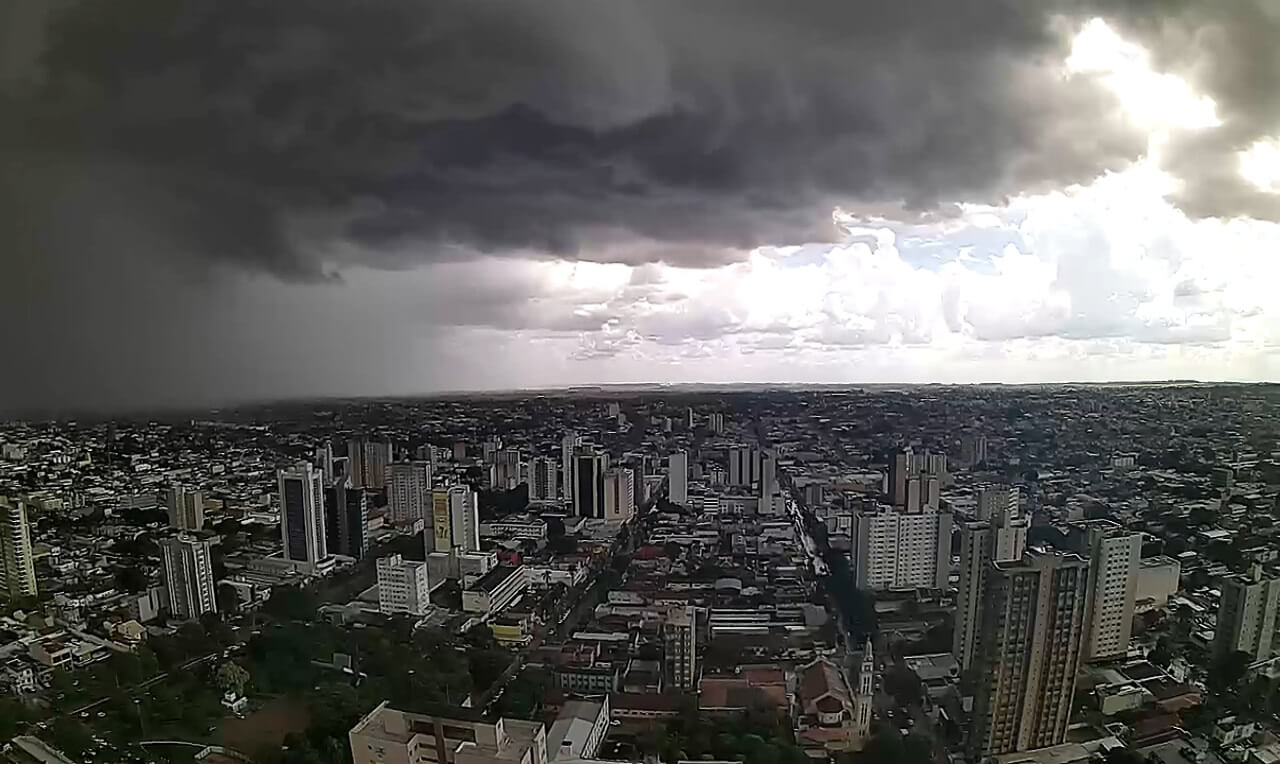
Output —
(208, 202)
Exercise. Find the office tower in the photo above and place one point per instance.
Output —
(346, 520)
(542, 479)
(1114, 556)
(185, 508)
(408, 491)
(187, 570)
(367, 462)
(588, 482)
(568, 444)
(506, 469)
(1028, 652)
(403, 586)
(768, 474)
(619, 494)
(692, 419)
(744, 466)
(678, 478)
(323, 461)
(1001, 539)
(489, 448)
(17, 568)
(679, 641)
(1247, 615)
(898, 550)
(302, 515)
(715, 423)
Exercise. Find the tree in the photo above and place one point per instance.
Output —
(231, 677)
(555, 527)
(1229, 670)
(902, 683)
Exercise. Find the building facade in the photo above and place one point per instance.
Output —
(17, 566)
(588, 482)
(542, 479)
(897, 550)
(678, 478)
(185, 508)
(1247, 616)
(619, 494)
(346, 523)
(1001, 537)
(367, 462)
(186, 567)
(403, 586)
(680, 648)
(409, 491)
(1028, 652)
(1115, 556)
(302, 529)
(388, 736)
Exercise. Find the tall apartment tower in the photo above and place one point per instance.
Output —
(542, 479)
(1002, 537)
(302, 515)
(568, 445)
(715, 423)
(17, 567)
(367, 462)
(768, 474)
(505, 471)
(678, 478)
(346, 520)
(744, 466)
(185, 508)
(900, 550)
(619, 494)
(1115, 556)
(998, 501)
(187, 569)
(588, 482)
(409, 491)
(1028, 652)
(898, 472)
(679, 640)
(1247, 615)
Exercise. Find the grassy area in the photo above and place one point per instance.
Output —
(266, 727)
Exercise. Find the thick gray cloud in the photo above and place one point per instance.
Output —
(158, 158)
(398, 129)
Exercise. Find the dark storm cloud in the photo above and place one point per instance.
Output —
(435, 128)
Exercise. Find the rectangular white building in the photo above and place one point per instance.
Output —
(403, 586)
(897, 550)
(409, 491)
(619, 494)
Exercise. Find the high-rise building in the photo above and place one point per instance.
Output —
(768, 474)
(1000, 539)
(715, 423)
(998, 501)
(588, 482)
(568, 445)
(367, 462)
(898, 472)
(403, 586)
(324, 461)
(185, 508)
(409, 491)
(187, 570)
(1115, 556)
(899, 550)
(302, 515)
(678, 478)
(506, 469)
(679, 640)
(744, 466)
(346, 520)
(542, 479)
(1247, 616)
(619, 494)
(17, 567)
(1028, 652)
(973, 449)
(455, 520)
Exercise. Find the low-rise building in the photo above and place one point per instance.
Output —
(388, 736)
(495, 591)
